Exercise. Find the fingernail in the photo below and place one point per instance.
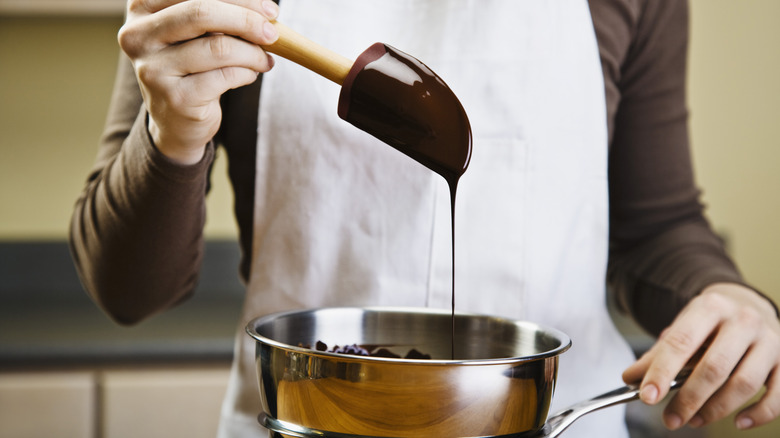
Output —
(649, 394)
(696, 421)
(271, 9)
(673, 421)
(270, 31)
(744, 423)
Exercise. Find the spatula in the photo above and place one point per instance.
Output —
(392, 96)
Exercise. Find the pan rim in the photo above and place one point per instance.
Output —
(564, 340)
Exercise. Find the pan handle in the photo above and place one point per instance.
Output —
(563, 419)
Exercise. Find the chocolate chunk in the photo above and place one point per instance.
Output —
(366, 350)
(384, 352)
(416, 354)
(353, 349)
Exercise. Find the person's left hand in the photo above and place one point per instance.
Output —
(736, 334)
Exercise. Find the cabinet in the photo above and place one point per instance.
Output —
(52, 404)
(113, 403)
(162, 403)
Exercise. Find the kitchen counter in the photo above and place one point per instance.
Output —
(82, 335)
(47, 320)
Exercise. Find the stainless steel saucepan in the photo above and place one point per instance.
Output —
(500, 382)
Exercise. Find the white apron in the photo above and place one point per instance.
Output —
(344, 219)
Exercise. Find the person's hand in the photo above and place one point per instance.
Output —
(732, 337)
(186, 54)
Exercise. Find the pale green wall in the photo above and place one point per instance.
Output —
(734, 99)
(735, 107)
(55, 80)
(56, 76)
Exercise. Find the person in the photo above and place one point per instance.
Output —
(580, 172)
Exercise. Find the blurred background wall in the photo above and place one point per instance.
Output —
(56, 73)
(734, 88)
(734, 92)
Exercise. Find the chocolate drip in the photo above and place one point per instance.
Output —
(399, 100)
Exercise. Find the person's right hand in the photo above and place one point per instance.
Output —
(186, 54)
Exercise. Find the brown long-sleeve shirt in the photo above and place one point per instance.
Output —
(137, 230)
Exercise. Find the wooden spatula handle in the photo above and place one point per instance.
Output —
(306, 53)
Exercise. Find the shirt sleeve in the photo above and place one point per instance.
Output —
(663, 251)
(136, 232)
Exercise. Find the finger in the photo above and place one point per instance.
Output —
(751, 372)
(216, 82)
(186, 21)
(267, 7)
(712, 371)
(195, 97)
(676, 347)
(744, 383)
(239, 18)
(637, 370)
(766, 409)
(214, 52)
(648, 393)
(176, 79)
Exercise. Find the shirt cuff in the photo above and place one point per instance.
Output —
(162, 164)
